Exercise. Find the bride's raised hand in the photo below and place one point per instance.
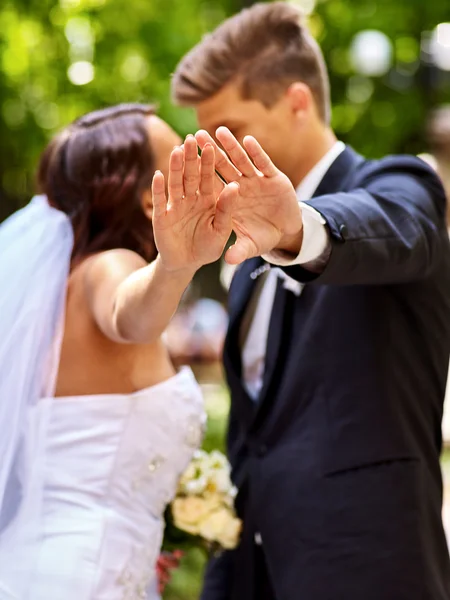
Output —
(191, 226)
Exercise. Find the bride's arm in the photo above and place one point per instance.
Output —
(134, 302)
(131, 301)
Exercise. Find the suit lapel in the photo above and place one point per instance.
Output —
(240, 293)
(240, 290)
(339, 174)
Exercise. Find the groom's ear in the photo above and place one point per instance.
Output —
(300, 99)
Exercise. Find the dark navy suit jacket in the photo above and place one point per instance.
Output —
(338, 463)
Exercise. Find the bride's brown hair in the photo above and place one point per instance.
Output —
(96, 171)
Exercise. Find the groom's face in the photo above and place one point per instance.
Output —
(273, 127)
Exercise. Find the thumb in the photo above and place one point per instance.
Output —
(159, 196)
(243, 249)
(224, 207)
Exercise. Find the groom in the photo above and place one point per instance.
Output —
(339, 337)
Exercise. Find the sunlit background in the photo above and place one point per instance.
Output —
(389, 63)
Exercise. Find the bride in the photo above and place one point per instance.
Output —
(96, 425)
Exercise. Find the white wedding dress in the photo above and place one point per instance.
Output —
(105, 468)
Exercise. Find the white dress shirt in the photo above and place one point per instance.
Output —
(315, 247)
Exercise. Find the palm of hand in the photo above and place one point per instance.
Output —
(191, 229)
(260, 211)
(186, 233)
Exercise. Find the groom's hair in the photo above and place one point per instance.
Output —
(264, 49)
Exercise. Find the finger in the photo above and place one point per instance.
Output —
(219, 185)
(159, 198)
(191, 171)
(236, 152)
(176, 187)
(259, 157)
(243, 249)
(223, 165)
(224, 208)
(207, 171)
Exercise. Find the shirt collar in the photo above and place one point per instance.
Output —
(311, 181)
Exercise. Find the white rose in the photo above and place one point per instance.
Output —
(196, 487)
(230, 497)
(220, 482)
(190, 473)
(200, 456)
(219, 461)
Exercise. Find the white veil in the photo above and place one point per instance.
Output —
(35, 250)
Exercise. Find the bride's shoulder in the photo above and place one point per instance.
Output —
(108, 261)
(103, 272)
(94, 279)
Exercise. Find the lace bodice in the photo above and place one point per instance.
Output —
(108, 466)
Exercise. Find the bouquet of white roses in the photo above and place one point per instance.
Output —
(204, 504)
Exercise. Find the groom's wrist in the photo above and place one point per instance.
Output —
(290, 245)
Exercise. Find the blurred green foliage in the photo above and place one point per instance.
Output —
(132, 46)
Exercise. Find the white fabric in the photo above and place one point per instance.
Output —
(107, 466)
(312, 180)
(315, 244)
(254, 351)
(35, 249)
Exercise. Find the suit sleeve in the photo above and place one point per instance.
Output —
(390, 229)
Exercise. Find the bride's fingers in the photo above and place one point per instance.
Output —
(207, 171)
(259, 157)
(243, 249)
(176, 187)
(236, 153)
(224, 208)
(223, 165)
(191, 166)
(159, 198)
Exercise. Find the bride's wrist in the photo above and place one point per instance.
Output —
(175, 272)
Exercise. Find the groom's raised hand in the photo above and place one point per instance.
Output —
(266, 214)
